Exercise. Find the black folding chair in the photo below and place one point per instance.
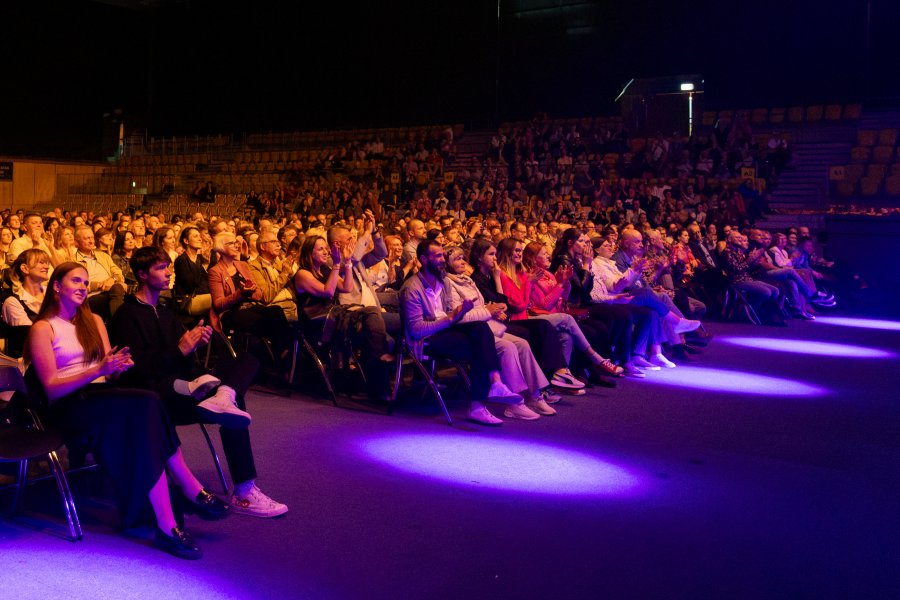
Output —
(23, 439)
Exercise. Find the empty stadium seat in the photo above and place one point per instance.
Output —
(833, 112)
(795, 114)
(866, 137)
(860, 154)
(776, 116)
(852, 111)
(883, 154)
(814, 113)
(887, 137)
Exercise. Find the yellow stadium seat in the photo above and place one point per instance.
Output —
(887, 137)
(869, 186)
(853, 173)
(852, 111)
(892, 185)
(875, 171)
(866, 137)
(776, 116)
(860, 154)
(759, 116)
(795, 114)
(833, 112)
(883, 154)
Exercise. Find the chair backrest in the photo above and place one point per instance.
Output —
(11, 380)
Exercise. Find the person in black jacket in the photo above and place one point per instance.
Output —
(164, 360)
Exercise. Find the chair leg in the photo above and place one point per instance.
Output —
(321, 367)
(397, 377)
(294, 352)
(21, 482)
(75, 531)
(434, 388)
(215, 457)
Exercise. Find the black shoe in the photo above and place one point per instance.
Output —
(179, 544)
(692, 349)
(207, 506)
(598, 377)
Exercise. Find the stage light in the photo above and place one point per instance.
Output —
(807, 347)
(734, 382)
(494, 463)
(863, 323)
(687, 87)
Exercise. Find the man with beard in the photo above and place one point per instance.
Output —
(435, 329)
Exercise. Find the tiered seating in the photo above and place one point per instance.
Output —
(780, 116)
(874, 168)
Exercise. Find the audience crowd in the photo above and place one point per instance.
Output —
(535, 269)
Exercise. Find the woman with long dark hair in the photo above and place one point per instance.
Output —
(127, 430)
(585, 335)
(541, 334)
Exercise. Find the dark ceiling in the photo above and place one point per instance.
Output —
(192, 66)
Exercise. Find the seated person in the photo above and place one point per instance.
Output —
(368, 250)
(737, 263)
(191, 278)
(794, 290)
(271, 273)
(33, 238)
(804, 259)
(29, 273)
(518, 283)
(127, 430)
(546, 343)
(630, 262)
(317, 282)
(518, 368)
(237, 300)
(164, 355)
(107, 282)
(434, 328)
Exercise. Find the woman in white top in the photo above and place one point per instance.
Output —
(30, 270)
(127, 430)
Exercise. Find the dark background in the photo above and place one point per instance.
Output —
(179, 68)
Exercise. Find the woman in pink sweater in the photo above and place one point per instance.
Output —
(519, 285)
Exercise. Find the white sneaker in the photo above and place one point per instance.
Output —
(662, 361)
(221, 408)
(520, 411)
(257, 504)
(483, 416)
(632, 371)
(642, 363)
(541, 407)
(686, 325)
(500, 393)
(198, 388)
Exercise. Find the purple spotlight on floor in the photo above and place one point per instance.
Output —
(501, 464)
(807, 347)
(735, 382)
(863, 323)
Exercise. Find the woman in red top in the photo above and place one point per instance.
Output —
(518, 285)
